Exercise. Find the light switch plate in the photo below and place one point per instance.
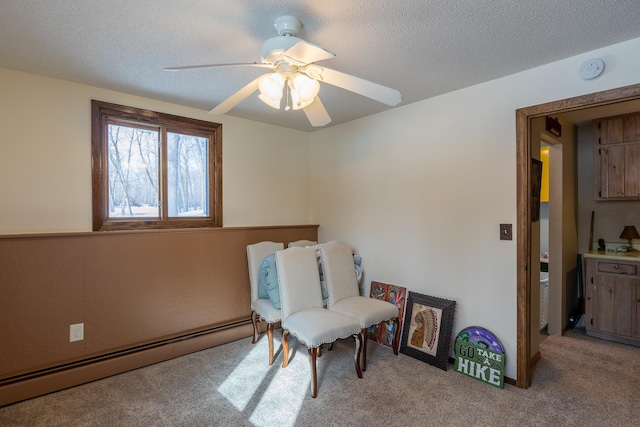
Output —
(505, 232)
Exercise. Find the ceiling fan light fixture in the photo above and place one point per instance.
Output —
(270, 87)
(292, 61)
(303, 90)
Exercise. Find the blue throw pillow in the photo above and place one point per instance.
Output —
(268, 281)
(263, 270)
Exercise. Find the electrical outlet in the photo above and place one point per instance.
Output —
(76, 332)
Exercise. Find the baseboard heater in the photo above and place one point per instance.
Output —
(55, 378)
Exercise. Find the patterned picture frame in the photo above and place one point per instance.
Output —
(384, 332)
(426, 333)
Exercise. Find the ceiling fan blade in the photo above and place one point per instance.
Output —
(303, 53)
(236, 98)
(363, 87)
(316, 113)
(235, 64)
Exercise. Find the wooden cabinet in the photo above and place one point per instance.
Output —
(612, 306)
(616, 158)
(620, 129)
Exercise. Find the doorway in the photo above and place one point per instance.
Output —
(545, 202)
(525, 142)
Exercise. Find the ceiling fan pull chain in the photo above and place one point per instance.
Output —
(287, 96)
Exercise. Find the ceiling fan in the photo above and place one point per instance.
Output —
(295, 76)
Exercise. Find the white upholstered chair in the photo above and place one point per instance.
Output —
(262, 308)
(302, 313)
(302, 243)
(344, 294)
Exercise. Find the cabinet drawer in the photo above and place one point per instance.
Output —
(617, 268)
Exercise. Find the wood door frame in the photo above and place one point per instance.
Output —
(523, 209)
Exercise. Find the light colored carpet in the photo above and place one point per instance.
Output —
(580, 381)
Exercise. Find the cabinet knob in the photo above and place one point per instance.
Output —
(617, 266)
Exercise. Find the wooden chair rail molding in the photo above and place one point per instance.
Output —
(143, 297)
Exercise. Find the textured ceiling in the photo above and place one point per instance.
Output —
(423, 48)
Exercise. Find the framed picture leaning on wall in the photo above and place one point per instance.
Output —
(428, 324)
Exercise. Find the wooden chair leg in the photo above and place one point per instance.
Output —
(396, 335)
(254, 322)
(363, 335)
(358, 338)
(285, 348)
(270, 328)
(314, 376)
(319, 351)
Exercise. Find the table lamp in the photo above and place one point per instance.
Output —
(629, 233)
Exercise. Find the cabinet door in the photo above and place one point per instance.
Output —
(612, 131)
(604, 304)
(619, 167)
(631, 186)
(616, 158)
(623, 298)
(620, 129)
(612, 171)
(635, 311)
(631, 128)
(614, 308)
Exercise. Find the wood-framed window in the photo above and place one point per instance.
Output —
(154, 170)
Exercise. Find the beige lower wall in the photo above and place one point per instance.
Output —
(72, 376)
(130, 289)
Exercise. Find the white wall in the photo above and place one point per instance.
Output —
(420, 191)
(45, 159)
(544, 227)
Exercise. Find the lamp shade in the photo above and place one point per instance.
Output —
(629, 232)
(270, 87)
(303, 91)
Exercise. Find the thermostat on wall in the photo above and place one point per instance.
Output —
(591, 69)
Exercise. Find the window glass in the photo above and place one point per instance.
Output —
(133, 172)
(187, 173)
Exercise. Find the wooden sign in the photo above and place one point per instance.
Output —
(553, 126)
(480, 355)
